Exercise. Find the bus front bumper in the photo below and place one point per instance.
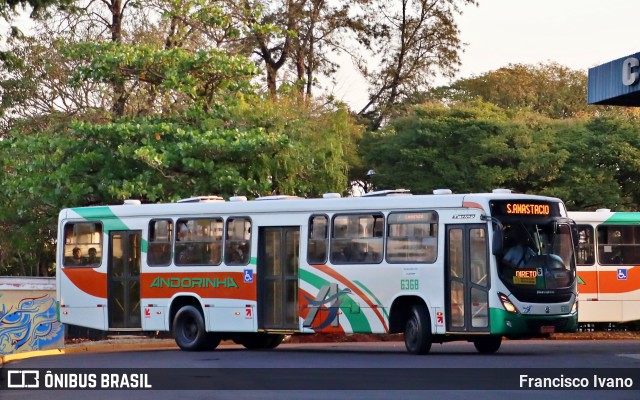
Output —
(516, 325)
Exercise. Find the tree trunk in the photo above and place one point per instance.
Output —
(271, 80)
(119, 92)
(43, 268)
(301, 73)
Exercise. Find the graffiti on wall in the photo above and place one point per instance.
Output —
(28, 322)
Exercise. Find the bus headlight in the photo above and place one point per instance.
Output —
(507, 304)
(574, 308)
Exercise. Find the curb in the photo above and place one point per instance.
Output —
(100, 348)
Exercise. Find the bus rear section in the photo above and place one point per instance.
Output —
(430, 267)
(608, 262)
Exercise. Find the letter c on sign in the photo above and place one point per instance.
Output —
(628, 77)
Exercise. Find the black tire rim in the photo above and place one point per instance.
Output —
(411, 334)
(189, 328)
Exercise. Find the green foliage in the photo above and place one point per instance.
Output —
(549, 89)
(247, 147)
(200, 75)
(589, 163)
(604, 165)
(322, 142)
(9, 7)
(190, 121)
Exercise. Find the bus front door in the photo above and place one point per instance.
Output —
(467, 278)
(123, 274)
(277, 270)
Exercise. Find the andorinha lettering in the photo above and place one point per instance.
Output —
(227, 282)
(528, 209)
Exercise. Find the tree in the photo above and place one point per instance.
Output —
(549, 89)
(147, 158)
(9, 8)
(194, 123)
(604, 165)
(270, 27)
(590, 163)
(294, 36)
(36, 83)
(245, 147)
(317, 38)
(414, 40)
(322, 141)
(465, 148)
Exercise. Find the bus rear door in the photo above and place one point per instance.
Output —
(277, 270)
(123, 280)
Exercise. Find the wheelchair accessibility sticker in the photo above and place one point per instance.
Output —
(622, 274)
(248, 276)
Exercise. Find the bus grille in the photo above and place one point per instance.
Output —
(536, 325)
(548, 298)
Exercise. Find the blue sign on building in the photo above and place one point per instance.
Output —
(616, 82)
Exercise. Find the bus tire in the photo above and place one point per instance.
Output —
(189, 330)
(261, 341)
(417, 331)
(488, 344)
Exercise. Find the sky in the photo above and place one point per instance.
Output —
(579, 34)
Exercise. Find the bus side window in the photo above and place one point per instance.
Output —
(83, 244)
(199, 241)
(617, 244)
(160, 237)
(357, 239)
(585, 252)
(412, 237)
(237, 247)
(318, 240)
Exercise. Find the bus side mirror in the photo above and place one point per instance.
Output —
(498, 241)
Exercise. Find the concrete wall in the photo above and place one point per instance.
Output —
(28, 315)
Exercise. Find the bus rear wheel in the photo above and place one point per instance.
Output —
(488, 344)
(417, 331)
(260, 341)
(190, 333)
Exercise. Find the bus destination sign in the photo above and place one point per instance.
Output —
(528, 209)
(525, 208)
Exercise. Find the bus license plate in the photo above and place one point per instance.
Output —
(547, 329)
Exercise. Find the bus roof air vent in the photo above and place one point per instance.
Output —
(201, 199)
(603, 210)
(130, 202)
(442, 191)
(280, 197)
(238, 198)
(391, 192)
(331, 196)
(501, 191)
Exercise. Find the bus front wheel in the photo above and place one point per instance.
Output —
(417, 331)
(190, 333)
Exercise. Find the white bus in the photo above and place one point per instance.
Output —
(428, 266)
(608, 262)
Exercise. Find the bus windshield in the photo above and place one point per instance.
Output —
(537, 256)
